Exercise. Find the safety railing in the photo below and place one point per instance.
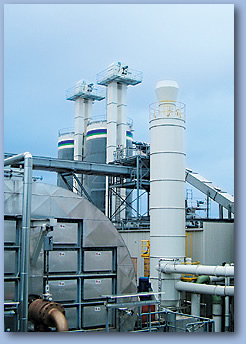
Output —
(168, 321)
(167, 109)
(145, 248)
(65, 131)
(123, 153)
(84, 90)
(103, 118)
(118, 72)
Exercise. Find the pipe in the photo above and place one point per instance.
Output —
(195, 304)
(227, 307)
(205, 288)
(59, 320)
(25, 233)
(48, 313)
(214, 279)
(217, 312)
(195, 298)
(227, 271)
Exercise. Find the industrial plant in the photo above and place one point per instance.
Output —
(119, 244)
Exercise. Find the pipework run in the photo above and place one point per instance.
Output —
(45, 314)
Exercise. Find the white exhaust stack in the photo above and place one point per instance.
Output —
(167, 186)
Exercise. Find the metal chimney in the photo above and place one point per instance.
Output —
(167, 185)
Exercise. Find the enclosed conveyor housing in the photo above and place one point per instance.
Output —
(208, 188)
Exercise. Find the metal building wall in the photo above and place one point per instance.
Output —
(214, 244)
(132, 239)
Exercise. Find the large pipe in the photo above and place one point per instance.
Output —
(205, 288)
(58, 318)
(227, 307)
(217, 312)
(167, 182)
(25, 233)
(195, 304)
(49, 314)
(218, 270)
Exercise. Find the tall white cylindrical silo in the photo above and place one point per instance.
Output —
(167, 185)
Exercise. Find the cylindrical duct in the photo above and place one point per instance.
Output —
(217, 312)
(195, 304)
(205, 288)
(167, 181)
(214, 270)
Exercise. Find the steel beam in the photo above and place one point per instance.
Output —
(80, 167)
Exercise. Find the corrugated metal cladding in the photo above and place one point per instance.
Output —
(89, 258)
(214, 244)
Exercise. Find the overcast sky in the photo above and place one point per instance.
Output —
(48, 48)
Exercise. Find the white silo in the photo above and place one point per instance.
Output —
(167, 185)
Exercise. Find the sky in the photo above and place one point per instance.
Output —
(48, 48)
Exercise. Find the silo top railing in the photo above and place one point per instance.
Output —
(167, 109)
(65, 131)
(120, 73)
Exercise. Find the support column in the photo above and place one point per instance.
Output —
(111, 134)
(78, 137)
(195, 304)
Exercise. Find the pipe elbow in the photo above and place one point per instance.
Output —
(58, 319)
(48, 314)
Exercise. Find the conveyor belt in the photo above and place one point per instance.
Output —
(205, 186)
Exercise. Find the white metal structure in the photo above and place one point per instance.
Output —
(167, 182)
(208, 188)
(117, 77)
(83, 94)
